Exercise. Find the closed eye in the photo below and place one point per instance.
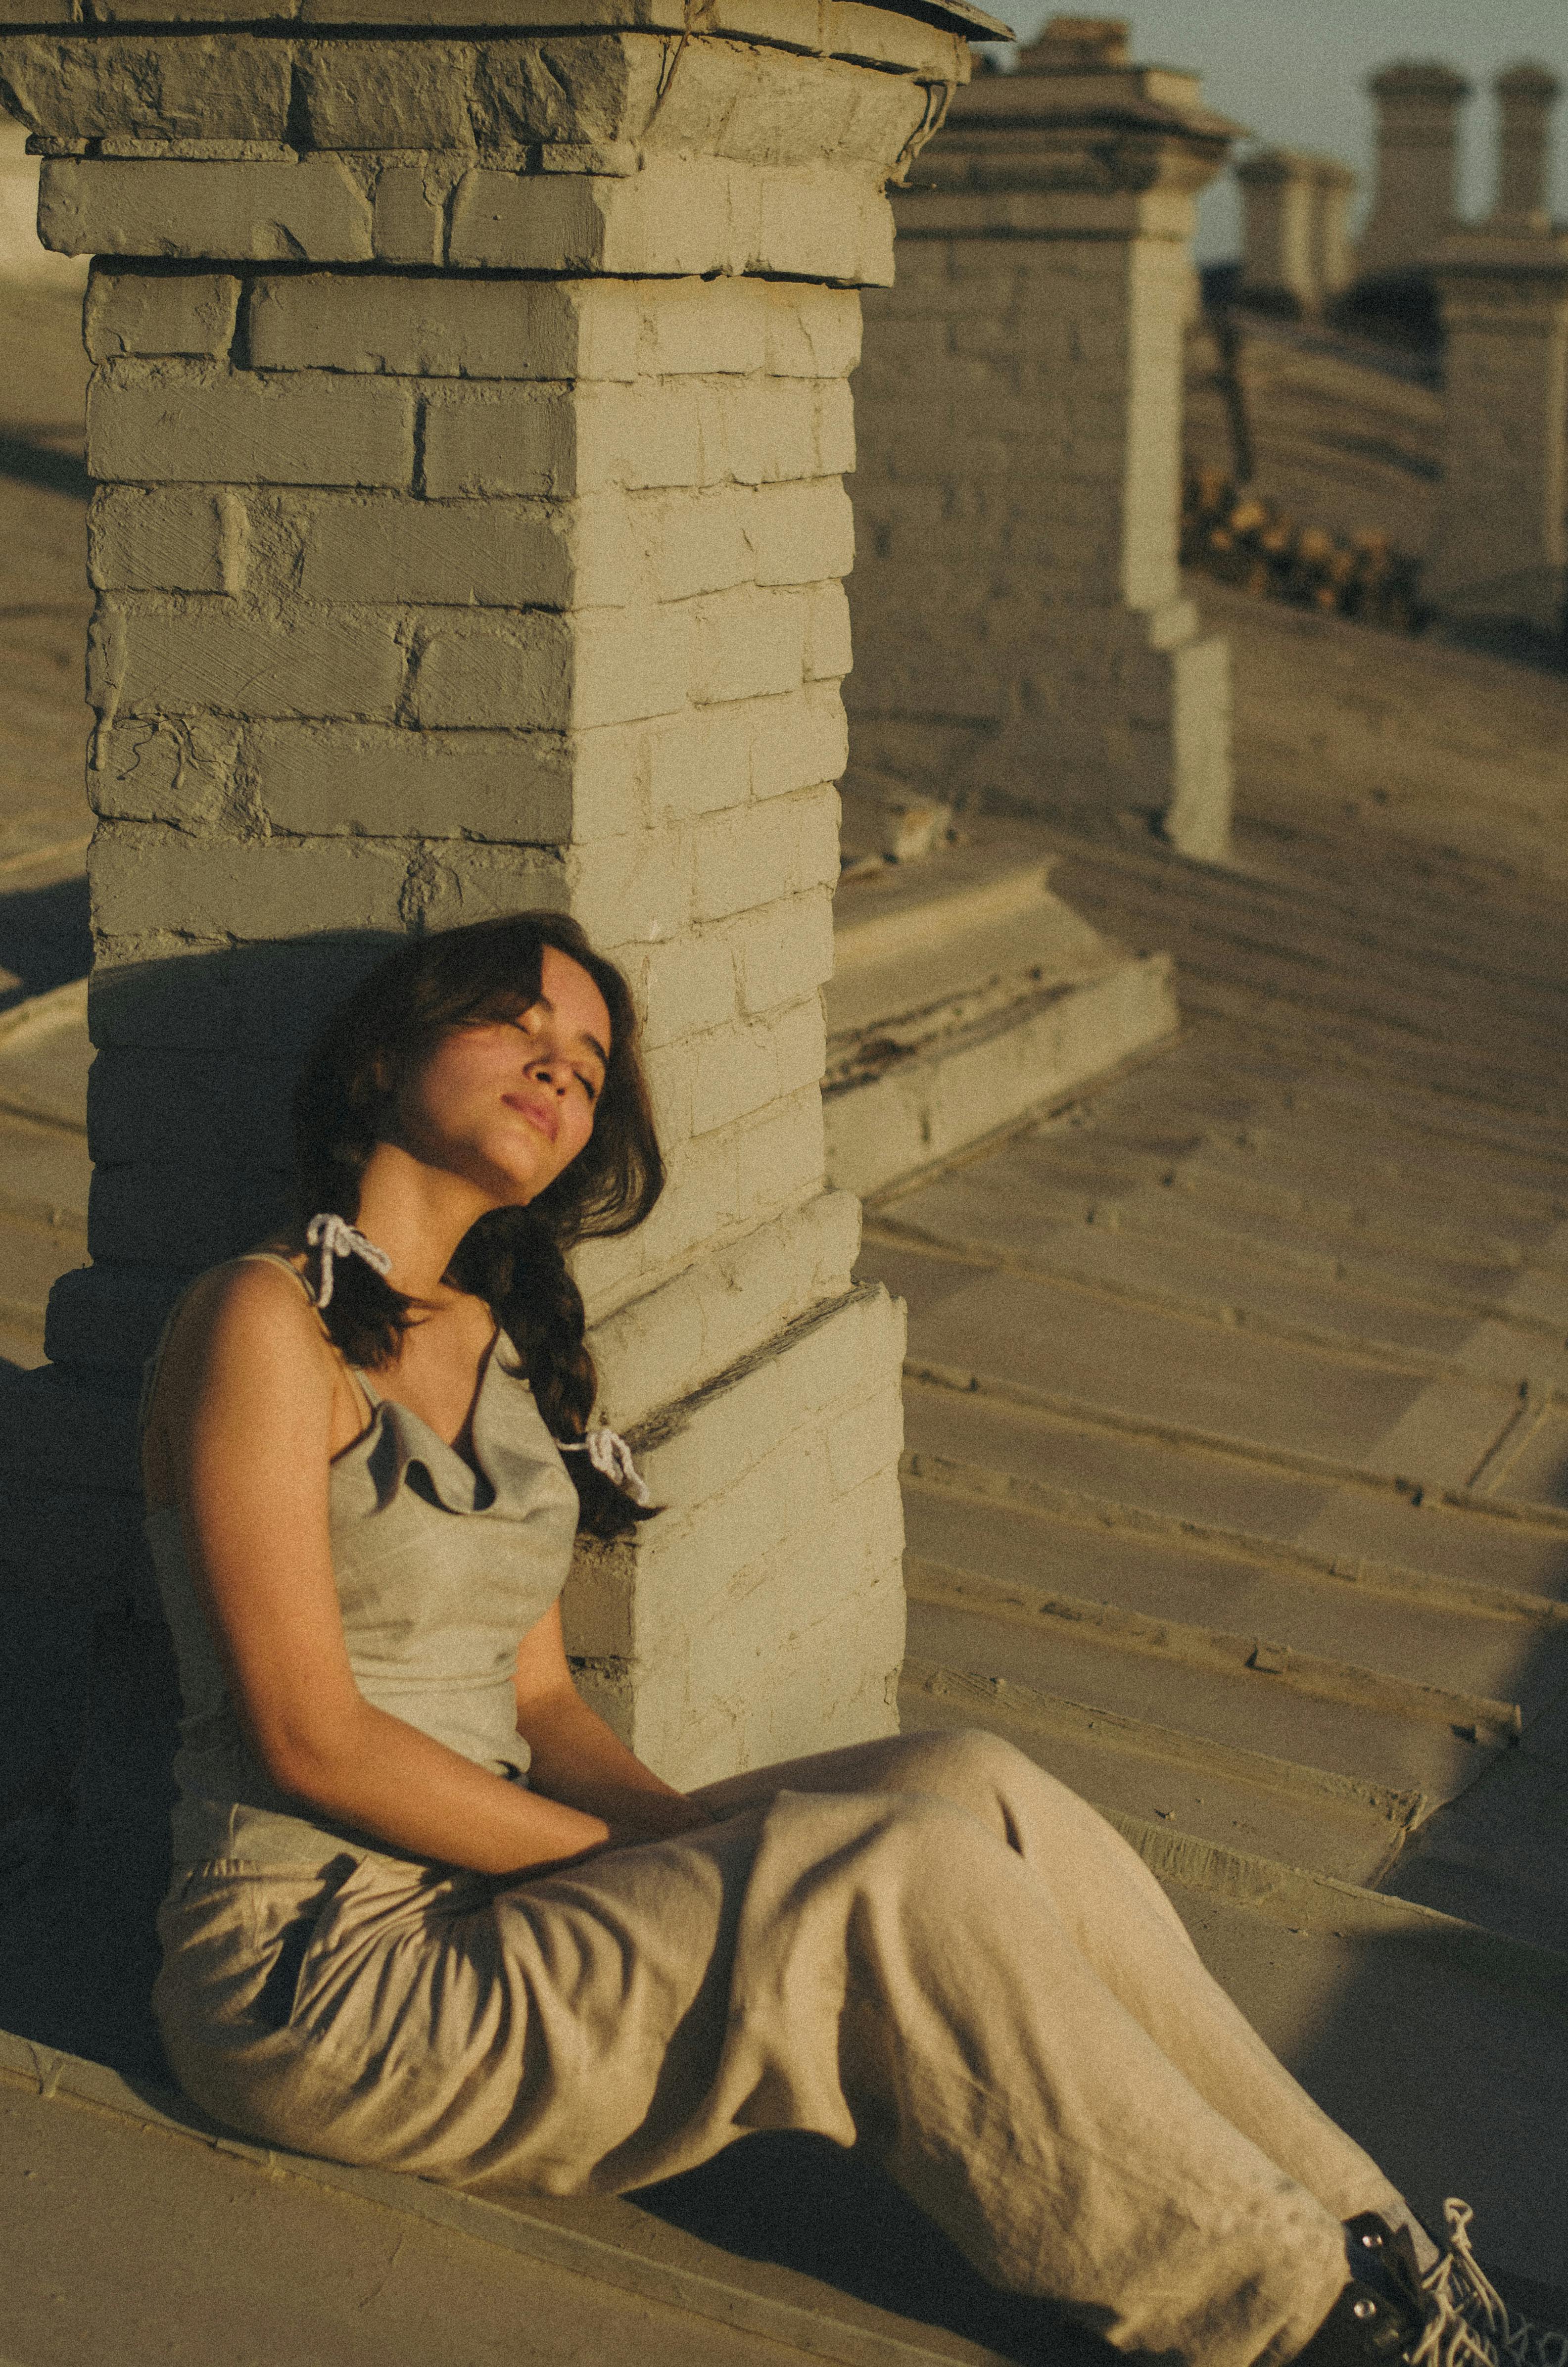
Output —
(528, 1027)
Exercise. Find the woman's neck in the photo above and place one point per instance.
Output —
(418, 1215)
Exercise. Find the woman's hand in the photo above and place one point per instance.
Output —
(651, 1817)
(577, 1759)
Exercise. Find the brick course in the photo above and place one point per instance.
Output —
(173, 421)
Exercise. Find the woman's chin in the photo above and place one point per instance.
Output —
(514, 1190)
(511, 1191)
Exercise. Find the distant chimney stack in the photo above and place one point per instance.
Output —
(1022, 636)
(1295, 251)
(1498, 554)
(1333, 260)
(1413, 207)
(1526, 97)
(1277, 187)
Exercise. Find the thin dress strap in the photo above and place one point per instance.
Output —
(370, 1394)
(150, 1370)
(275, 1257)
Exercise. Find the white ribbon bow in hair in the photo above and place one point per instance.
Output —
(608, 1452)
(336, 1238)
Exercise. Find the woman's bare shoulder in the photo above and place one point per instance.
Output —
(254, 1306)
(247, 1360)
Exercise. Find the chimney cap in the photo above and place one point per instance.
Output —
(1418, 78)
(1080, 41)
(1266, 166)
(1527, 80)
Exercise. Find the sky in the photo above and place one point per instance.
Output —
(1294, 72)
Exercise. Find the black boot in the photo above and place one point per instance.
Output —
(1382, 2312)
(1391, 2314)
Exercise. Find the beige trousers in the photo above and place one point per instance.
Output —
(925, 1944)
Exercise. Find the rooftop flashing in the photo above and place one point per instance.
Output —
(451, 17)
(952, 16)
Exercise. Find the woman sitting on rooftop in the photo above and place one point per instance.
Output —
(429, 1913)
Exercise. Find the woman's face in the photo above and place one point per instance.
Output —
(509, 1102)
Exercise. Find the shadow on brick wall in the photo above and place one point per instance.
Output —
(188, 1106)
(44, 939)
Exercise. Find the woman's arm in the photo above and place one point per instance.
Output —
(575, 1757)
(244, 1405)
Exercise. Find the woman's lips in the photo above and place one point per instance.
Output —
(540, 1114)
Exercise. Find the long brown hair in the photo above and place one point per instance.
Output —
(514, 1258)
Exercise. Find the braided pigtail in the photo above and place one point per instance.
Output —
(512, 1259)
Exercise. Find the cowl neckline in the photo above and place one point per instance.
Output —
(397, 1441)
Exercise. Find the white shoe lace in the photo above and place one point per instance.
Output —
(1469, 2323)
